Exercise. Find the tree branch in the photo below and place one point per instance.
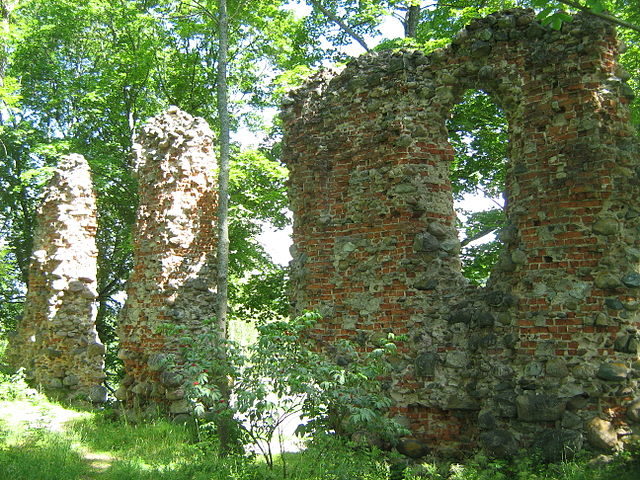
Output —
(203, 9)
(604, 16)
(338, 21)
(477, 236)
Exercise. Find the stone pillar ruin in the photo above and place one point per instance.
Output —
(173, 279)
(57, 343)
(547, 354)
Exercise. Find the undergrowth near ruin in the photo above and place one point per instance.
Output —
(43, 440)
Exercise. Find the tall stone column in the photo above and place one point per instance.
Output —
(57, 343)
(172, 285)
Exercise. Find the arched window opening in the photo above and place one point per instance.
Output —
(479, 135)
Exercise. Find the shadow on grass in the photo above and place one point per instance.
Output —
(48, 457)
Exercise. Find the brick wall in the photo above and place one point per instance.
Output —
(551, 342)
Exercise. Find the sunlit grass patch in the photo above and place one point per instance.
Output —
(152, 442)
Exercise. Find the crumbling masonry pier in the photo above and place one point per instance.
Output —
(547, 353)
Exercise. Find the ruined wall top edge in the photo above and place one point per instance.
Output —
(475, 42)
(173, 129)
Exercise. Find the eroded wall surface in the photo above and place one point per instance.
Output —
(173, 279)
(57, 342)
(547, 353)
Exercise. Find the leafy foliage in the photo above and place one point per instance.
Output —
(11, 292)
(14, 387)
(86, 74)
(283, 376)
(478, 134)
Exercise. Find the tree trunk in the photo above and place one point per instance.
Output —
(224, 422)
(411, 20)
(223, 176)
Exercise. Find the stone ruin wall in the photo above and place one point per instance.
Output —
(547, 353)
(56, 341)
(174, 276)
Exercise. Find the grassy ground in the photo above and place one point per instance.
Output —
(41, 440)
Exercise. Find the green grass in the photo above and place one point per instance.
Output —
(42, 456)
(36, 444)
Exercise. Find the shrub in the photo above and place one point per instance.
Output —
(283, 375)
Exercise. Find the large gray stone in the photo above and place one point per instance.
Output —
(484, 319)
(437, 230)
(480, 49)
(481, 342)
(180, 406)
(571, 421)
(97, 394)
(70, 380)
(451, 245)
(55, 383)
(632, 280)
(486, 420)
(425, 364)
(613, 372)
(559, 445)
(457, 359)
(95, 349)
(425, 242)
(176, 394)
(533, 369)
(606, 226)
(461, 316)
(633, 412)
(607, 280)
(76, 286)
(460, 401)
(518, 257)
(498, 443)
(505, 404)
(156, 362)
(121, 393)
(413, 448)
(557, 367)
(614, 304)
(143, 389)
(627, 344)
(541, 407)
(170, 379)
